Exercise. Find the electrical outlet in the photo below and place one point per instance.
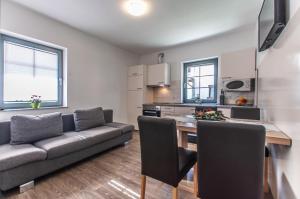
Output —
(26, 187)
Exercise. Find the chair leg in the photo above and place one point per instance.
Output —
(175, 193)
(266, 172)
(143, 186)
(196, 179)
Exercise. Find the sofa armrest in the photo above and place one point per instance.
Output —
(108, 115)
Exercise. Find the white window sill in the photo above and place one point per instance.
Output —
(31, 109)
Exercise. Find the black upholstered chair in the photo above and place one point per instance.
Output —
(253, 114)
(161, 157)
(230, 160)
(245, 113)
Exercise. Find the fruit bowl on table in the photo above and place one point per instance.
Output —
(209, 115)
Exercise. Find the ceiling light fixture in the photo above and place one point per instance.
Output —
(136, 7)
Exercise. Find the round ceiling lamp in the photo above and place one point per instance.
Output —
(136, 7)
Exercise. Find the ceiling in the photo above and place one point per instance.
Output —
(168, 22)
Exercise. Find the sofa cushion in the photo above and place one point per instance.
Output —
(68, 122)
(62, 145)
(12, 156)
(100, 134)
(27, 129)
(4, 132)
(89, 118)
(125, 128)
(75, 141)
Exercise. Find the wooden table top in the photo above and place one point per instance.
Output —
(273, 134)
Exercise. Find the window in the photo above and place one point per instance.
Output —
(28, 69)
(200, 81)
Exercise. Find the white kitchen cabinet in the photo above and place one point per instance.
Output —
(136, 70)
(176, 111)
(184, 111)
(135, 83)
(159, 75)
(137, 93)
(238, 64)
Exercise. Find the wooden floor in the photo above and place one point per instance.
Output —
(112, 175)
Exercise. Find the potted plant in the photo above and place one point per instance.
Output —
(35, 101)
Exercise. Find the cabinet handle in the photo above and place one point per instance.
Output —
(139, 88)
(139, 107)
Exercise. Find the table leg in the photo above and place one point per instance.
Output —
(183, 139)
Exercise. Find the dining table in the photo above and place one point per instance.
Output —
(187, 125)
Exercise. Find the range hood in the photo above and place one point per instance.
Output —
(159, 75)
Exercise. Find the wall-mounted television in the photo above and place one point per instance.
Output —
(271, 22)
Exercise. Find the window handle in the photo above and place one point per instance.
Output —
(60, 81)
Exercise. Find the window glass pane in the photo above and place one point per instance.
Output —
(204, 93)
(46, 75)
(193, 71)
(207, 81)
(192, 93)
(19, 55)
(193, 82)
(207, 70)
(29, 72)
(46, 60)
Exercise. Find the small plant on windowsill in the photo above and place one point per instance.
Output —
(35, 101)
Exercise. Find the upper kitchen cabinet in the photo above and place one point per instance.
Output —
(159, 75)
(238, 64)
(138, 70)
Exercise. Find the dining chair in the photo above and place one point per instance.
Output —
(161, 157)
(253, 114)
(230, 160)
(250, 113)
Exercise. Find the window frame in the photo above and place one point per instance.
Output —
(215, 62)
(32, 45)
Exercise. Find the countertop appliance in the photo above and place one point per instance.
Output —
(238, 84)
(151, 110)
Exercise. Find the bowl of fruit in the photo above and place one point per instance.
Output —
(209, 115)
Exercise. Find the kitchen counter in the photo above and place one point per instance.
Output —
(194, 105)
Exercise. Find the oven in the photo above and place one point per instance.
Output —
(151, 110)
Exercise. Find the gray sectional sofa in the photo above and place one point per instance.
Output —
(23, 163)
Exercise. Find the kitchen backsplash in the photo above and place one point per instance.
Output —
(231, 97)
(172, 94)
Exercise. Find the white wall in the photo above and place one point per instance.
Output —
(211, 47)
(97, 71)
(279, 98)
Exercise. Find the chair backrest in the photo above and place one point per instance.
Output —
(159, 149)
(230, 160)
(245, 113)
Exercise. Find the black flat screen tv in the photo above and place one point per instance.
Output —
(271, 22)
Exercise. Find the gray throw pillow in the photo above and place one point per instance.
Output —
(27, 129)
(89, 118)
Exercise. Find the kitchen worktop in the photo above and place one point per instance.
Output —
(195, 105)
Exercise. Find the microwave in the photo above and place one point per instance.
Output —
(238, 84)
